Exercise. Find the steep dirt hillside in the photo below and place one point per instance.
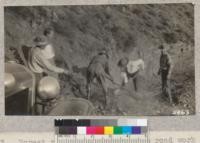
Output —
(135, 31)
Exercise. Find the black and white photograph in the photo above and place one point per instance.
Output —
(100, 60)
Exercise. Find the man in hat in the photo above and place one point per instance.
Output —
(41, 56)
(49, 48)
(165, 71)
(99, 69)
(130, 69)
(40, 62)
(49, 33)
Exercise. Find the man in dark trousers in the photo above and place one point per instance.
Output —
(99, 69)
(165, 71)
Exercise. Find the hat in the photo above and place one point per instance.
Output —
(48, 30)
(123, 62)
(161, 47)
(40, 41)
(104, 52)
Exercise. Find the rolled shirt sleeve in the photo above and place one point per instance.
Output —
(46, 64)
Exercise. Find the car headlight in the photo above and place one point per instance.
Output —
(9, 81)
(48, 88)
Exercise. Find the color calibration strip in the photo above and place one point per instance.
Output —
(101, 127)
(101, 122)
(106, 130)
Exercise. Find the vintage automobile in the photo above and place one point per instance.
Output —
(22, 92)
(19, 84)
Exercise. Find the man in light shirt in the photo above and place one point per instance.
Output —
(130, 69)
(41, 58)
(41, 62)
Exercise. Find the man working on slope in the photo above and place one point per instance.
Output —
(41, 63)
(130, 69)
(99, 69)
(40, 58)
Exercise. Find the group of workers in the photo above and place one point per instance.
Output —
(42, 62)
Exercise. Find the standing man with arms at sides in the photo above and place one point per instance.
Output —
(99, 69)
(165, 71)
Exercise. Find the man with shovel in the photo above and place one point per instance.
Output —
(99, 69)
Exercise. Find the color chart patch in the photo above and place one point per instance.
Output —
(101, 127)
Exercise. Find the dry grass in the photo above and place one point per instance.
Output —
(134, 30)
